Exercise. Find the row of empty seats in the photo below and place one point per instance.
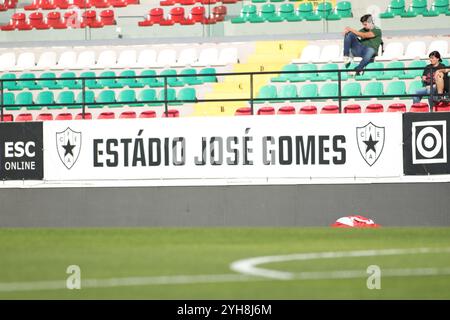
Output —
(8, 4)
(82, 4)
(54, 20)
(333, 109)
(197, 14)
(287, 12)
(25, 117)
(147, 58)
(393, 51)
(397, 8)
(69, 80)
(193, 2)
(46, 99)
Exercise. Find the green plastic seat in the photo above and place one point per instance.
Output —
(324, 76)
(171, 96)
(305, 9)
(369, 75)
(388, 14)
(413, 87)
(23, 83)
(188, 95)
(49, 84)
(419, 6)
(305, 76)
(192, 80)
(91, 82)
(372, 88)
(247, 11)
(287, 76)
(268, 10)
(308, 91)
(397, 7)
(288, 92)
(391, 74)
(396, 88)
(105, 97)
(46, 98)
(9, 99)
(411, 74)
(171, 81)
(64, 82)
(10, 85)
(24, 98)
(66, 97)
(351, 89)
(127, 97)
(267, 92)
(151, 82)
(329, 90)
(207, 75)
(344, 9)
(147, 95)
(89, 97)
(324, 9)
(259, 1)
(129, 82)
(109, 83)
(287, 10)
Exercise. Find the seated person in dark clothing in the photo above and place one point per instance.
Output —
(443, 84)
(363, 43)
(428, 74)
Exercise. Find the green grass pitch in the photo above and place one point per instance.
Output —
(30, 258)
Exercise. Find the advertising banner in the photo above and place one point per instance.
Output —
(21, 151)
(297, 146)
(426, 143)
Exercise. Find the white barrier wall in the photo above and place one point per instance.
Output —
(297, 146)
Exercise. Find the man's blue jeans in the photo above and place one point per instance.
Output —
(351, 42)
(425, 91)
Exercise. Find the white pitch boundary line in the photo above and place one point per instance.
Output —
(249, 266)
(248, 276)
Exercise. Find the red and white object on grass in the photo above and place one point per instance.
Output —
(355, 222)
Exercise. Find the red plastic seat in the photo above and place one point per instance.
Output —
(397, 107)
(128, 115)
(82, 4)
(44, 117)
(62, 4)
(265, 111)
(156, 15)
(244, 111)
(106, 115)
(64, 116)
(420, 107)
(166, 22)
(37, 21)
(145, 23)
(7, 118)
(48, 5)
(89, 18)
(171, 113)
(87, 116)
(71, 19)
(54, 20)
(442, 107)
(186, 2)
(330, 109)
(118, 3)
(107, 17)
(177, 14)
(375, 107)
(36, 4)
(308, 110)
(219, 13)
(352, 108)
(286, 110)
(100, 3)
(198, 14)
(148, 114)
(22, 117)
(167, 3)
(207, 2)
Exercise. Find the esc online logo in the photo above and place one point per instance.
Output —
(429, 142)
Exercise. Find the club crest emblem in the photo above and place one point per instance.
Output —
(370, 140)
(68, 144)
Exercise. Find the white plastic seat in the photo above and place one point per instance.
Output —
(7, 61)
(127, 58)
(106, 59)
(187, 57)
(66, 60)
(166, 58)
(441, 46)
(330, 53)
(309, 54)
(145, 59)
(227, 56)
(47, 60)
(25, 61)
(85, 60)
(415, 50)
(393, 51)
(207, 57)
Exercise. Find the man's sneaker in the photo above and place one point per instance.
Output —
(347, 61)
